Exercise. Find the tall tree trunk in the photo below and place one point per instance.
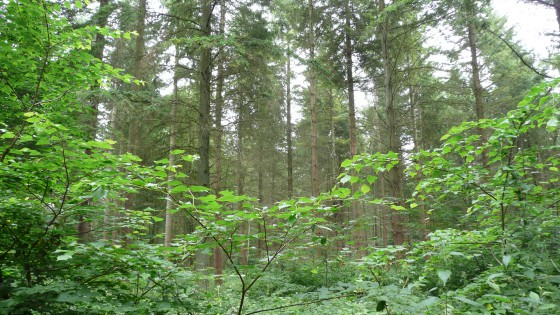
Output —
(350, 77)
(470, 8)
(110, 217)
(356, 214)
(383, 213)
(312, 105)
(218, 255)
(395, 173)
(97, 51)
(416, 114)
(240, 175)
(168, 233)
(204, 123)
(340, 216)
(205, 81)
(334, 160)
(289, 123)
(137, 71)
(556, 4)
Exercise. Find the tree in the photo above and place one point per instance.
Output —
(205, 84)
(470, 15)
(312, 101)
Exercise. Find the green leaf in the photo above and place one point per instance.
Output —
(465, 300)
(231, 198)
(292, 219)
(365, 189)
(506, 259)
(444, 275)
(64, 256)
(8, 135)
(381, 305)
(345, 179)
(552, 124)
(197, 189)
(178, 189)
(189, 158)
(500, 298)
(534, 297)
(346, 163)
(429, 301)
(397, 208)
(548, 306)
(100, 144)
(99, 193)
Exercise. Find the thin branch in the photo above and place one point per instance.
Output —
(178, 18)
(517, 54)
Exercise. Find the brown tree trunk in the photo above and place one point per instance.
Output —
(205, 81)
(204, 123)
(350, 78)
(289, 124)
(312, 106)
(416, 115)
(476, 84)
(97, 51)
(395, 173)
(218, 255)
(137, 71)
(240, 177)
(169, 222)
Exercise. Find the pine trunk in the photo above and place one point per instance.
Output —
(395, 173)
(475, 68)
(218, 255)
(204, 123)
(312, 106)
(289, 125)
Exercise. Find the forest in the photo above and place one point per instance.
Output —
(277, 157)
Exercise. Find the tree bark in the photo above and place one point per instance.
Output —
(138, 73)
(475, 68)
(205, 81)
(168, 232)
(395, 174)
(204, 123)
(240, 176)
(312, 105)
(350, 77)
(218, 255)
(289, 123)
(97, 51)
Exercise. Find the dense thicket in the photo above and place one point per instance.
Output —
(288, 157)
